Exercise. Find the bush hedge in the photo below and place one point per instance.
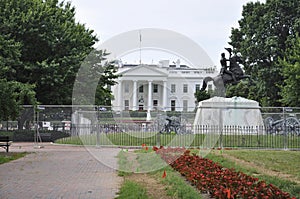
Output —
(28, 135)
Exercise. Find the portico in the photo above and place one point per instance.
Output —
(141, 94)
(154, 87)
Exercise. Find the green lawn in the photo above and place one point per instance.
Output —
(189, 140)
(6, 157)
(143, 161)
(283, 161)
(286, 162)
(132, 190)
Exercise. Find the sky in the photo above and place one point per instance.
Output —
(208, 23)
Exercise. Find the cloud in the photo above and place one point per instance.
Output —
(206, 22)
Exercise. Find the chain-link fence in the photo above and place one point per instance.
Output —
(97, 125)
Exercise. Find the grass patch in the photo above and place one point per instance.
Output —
(176, 186)
(285, 185)
(147, 161)
(7, 157)
(193, 140)
(132, 190)
(282, 161)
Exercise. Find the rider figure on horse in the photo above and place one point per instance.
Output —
(224, 69)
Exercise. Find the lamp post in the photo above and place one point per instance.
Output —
(37, 137)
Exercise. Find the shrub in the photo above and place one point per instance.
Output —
(28, 135)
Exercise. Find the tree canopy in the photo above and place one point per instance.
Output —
(265, 32)
(42, 48)
(202, 95)
(50, 45)
(94, 79)
(13, 94)
(291, 72)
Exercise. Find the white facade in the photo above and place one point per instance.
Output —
(162, 87)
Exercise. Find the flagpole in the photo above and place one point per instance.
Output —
(140, 46)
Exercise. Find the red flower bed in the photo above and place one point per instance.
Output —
(215, 180)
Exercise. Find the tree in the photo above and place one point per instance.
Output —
(13, 94)
(242, 89)
(202, 95)
(103, 92)
(291, 72)
(50, 43)
(94, 79)
(263, 36)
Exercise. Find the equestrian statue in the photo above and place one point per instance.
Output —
(225, 77)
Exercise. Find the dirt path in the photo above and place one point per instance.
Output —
(260, 169)
(154, 188)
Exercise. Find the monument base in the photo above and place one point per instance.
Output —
(231, 115)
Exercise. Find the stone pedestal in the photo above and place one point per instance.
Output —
(229, 115)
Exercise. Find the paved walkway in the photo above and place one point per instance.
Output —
(59, 172)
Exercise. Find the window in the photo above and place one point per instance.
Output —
(141, 89)
(173, 88)
(185, 88)
(185, 105)
(173, 103)
(197, 87)
(141, 107)
(126, 103)
(209, 87)
(126, 87)
(155, 104)
(155, 88)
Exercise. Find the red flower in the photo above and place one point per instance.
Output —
(220, 182)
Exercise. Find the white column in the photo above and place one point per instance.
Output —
(149, 95)
(120, 102)
(165, 96)
(134, 96)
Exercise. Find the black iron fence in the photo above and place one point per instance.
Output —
(98, 125)
(202, 136)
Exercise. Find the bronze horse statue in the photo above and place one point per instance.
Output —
(221, 80)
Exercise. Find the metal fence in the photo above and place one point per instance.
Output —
(95, 125)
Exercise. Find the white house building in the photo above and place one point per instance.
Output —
(162, 86)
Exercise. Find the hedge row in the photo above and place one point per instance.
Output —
(29, 135)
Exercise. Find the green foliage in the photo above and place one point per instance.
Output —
(198, 140)
(291, 70)
(7, 157)
(12, 95)
(267, 159)
(10, 53)
(147, 160)
(177, 187)
(48, 43)
(132, 190)
(263, 36)
(94, 80)
(284, 161)
(28, 135)
(202, 95)
(242, 89)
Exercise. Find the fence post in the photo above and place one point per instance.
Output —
(221, 127)
(284, 129)
(158, 139)
(98, 135)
